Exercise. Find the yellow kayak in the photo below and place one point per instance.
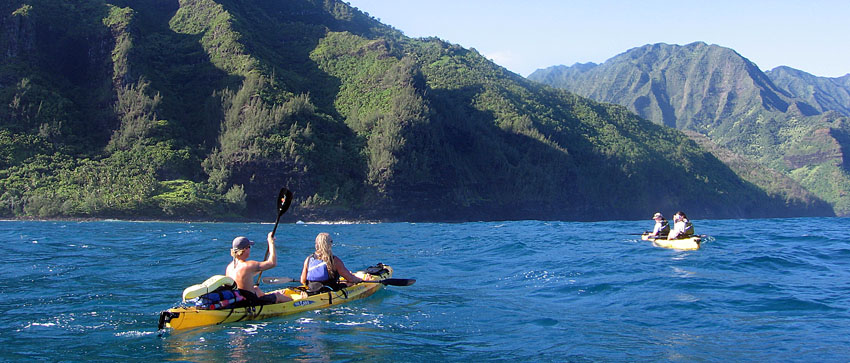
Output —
(690, 243)
(179, 318)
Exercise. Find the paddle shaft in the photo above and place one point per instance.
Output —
(393, 282)
(278, 280)
(665, 239)
(284, 198)
(260, 276)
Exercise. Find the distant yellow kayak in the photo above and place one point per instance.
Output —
(690, 243)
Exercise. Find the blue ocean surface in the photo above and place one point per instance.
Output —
(757, 290)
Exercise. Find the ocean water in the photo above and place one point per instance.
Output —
(757, 290)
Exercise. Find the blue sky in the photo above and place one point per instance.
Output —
(522, 36)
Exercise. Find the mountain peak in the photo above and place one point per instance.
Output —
(668, 83)
(821, 93)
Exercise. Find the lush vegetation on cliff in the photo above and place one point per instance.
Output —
(204, 108)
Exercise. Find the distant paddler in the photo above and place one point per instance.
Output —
(662, 228)
(682, 227)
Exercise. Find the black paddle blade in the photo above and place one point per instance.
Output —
(393, 282)
(284, 199)
(399, 282)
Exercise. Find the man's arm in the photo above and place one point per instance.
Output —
(270, 262)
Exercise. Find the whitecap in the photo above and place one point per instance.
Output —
(358, 323)
(687, 298)
(40, 324)
(135, 333)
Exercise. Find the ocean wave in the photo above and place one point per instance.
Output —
(786, 304)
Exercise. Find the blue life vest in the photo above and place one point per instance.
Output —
(317, 270)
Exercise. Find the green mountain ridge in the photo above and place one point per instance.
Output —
(203, 109)
(823, 93)
(786, 120)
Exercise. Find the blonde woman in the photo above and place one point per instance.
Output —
(322, 266)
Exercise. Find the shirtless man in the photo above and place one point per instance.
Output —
(243, 271)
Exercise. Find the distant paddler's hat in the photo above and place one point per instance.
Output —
(657, 215)
(241, 243)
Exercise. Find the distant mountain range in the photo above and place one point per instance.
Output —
(204, 109)
(824, 94)
(786, 120)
